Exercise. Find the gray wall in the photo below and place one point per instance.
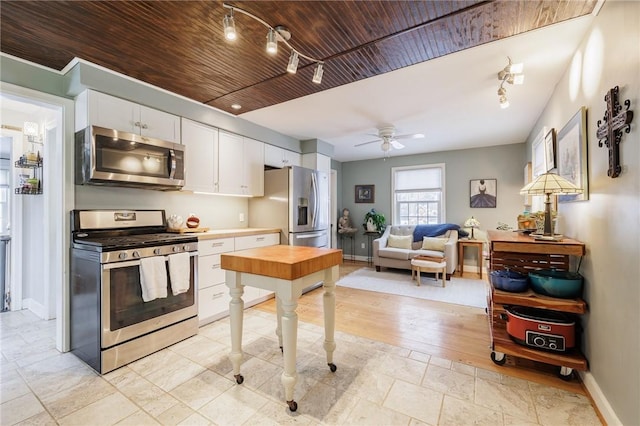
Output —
(609, 222)
(504, 163)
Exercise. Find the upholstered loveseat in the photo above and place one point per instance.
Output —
(441, 242)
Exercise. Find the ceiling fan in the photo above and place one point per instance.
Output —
(387, 135)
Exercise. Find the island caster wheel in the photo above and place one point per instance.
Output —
(293, 406)
(565, 373)
(239, 378)
(332, 367)
(498, 358)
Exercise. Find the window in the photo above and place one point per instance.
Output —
(418, 194)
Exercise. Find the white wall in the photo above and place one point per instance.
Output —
(609, 222)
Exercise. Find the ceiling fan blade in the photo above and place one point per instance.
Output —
(410, 136)
(396, 145)
(367, 143)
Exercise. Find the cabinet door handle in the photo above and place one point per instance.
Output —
(136, 124)
(217, 244)
(260, 239)
(217, 295)
(144, 126)
(216, 266)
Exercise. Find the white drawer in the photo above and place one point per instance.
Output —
(253, 241)
(209, 271)
(213, 301)
(218, 245)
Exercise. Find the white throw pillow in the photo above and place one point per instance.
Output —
(431, 243)
(400, 241)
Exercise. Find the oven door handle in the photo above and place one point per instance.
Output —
(128, 263)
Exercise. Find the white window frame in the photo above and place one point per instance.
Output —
(394, 207)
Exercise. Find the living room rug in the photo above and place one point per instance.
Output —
(460, 291)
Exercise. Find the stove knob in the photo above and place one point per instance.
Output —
(553, 346)
(136, 254)
(176, 249)
(122, 255)
(156, 252)
(185, 247)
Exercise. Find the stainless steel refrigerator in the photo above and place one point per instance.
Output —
(296, 200)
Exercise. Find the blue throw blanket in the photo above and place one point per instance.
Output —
(434, 230)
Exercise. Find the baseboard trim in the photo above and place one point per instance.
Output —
(599, 399)
(35, 307)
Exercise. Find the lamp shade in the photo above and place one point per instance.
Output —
(472, 222)
(550, 183)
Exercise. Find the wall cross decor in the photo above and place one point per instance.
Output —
(610, 129)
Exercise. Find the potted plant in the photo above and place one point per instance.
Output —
(374, 221)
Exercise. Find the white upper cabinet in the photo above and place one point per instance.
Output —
(99, 109)
(240, 165)
(278, 157)
(200, 141)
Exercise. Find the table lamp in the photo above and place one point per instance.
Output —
(547, 184)
(472, 223)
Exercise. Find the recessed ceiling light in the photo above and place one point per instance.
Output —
(236, 106)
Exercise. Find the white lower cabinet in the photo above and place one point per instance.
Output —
(213, 293)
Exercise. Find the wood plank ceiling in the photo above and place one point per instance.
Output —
(179, 45)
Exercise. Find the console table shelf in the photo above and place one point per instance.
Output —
(509, 250)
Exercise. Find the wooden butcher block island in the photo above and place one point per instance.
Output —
(285, 270)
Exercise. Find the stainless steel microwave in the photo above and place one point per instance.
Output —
(111, 157)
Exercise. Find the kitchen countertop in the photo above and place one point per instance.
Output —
(239, 232)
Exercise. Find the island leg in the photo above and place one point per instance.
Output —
(236, 310)
(279, 320)
(290, 339)
(329, 306)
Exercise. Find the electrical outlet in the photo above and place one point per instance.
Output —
(362, 245)
(241, 217)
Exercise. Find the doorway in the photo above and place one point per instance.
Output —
(39, 197)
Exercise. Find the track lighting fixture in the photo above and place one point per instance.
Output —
(274, 35)
(511, 74)
(229, 27)
(293, 62)
(317, 74)
(272, 42)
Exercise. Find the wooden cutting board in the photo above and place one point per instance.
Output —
(187, 230)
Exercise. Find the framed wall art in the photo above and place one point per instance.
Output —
(572, 155)
(365, 193)
(483, 193)
(550, 149)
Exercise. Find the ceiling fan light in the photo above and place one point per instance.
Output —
(518, 79)
(229, 27)
(504, 102)
(293, 62)
(272, 42)
(317, 75)
(516, 68)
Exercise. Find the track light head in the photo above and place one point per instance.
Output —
(272, 42)
(292, 67)
(317, 74)
(229, 27)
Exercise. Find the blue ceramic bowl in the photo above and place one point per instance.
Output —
(509, 281)
(563, 284)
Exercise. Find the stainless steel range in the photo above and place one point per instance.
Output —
(114, 254)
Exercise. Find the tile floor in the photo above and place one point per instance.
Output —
(190, 383)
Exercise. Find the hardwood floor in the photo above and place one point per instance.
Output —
(455, 332)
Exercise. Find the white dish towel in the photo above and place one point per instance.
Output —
(153, 278)
(179, 272)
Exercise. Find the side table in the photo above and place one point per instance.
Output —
(371, 235)
(465, 242)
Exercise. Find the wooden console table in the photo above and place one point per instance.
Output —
(286, 270)
(521, 253)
